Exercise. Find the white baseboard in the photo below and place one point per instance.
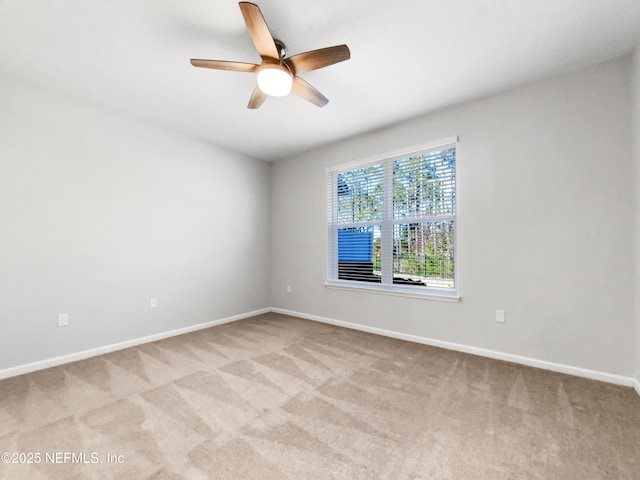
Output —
(73, 357)
(531, 362)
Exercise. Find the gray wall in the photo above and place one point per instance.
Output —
(545, 203)
(99, 213)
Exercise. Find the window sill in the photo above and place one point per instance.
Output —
(430, 294)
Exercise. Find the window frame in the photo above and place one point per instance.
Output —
(386, 225)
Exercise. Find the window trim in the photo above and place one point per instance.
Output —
(429, 293)
(410, 292)
(395, 154)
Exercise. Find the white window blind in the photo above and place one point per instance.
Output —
(392, 222)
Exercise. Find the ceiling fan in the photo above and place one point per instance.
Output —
(278, 74)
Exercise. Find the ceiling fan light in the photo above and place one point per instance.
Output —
(275, 82)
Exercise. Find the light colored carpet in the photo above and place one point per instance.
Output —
(275, 397)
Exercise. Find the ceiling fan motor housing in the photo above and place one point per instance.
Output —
(282, 48)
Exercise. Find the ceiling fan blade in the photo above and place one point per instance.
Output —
(306, 91)
(257, 99)
(260, 34)
(224, 65)
(315, 59)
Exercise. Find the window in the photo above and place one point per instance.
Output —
(392, 222)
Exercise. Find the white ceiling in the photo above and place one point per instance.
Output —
(407, 57)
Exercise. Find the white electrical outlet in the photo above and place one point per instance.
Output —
(63, 319)
(288, 288)
(153, 303)
(500, 316)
